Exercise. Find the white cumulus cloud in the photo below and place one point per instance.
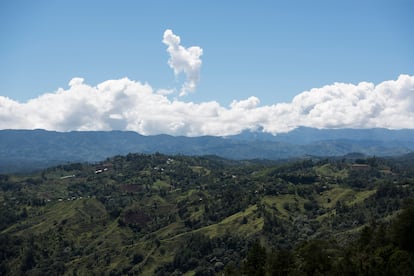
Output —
(183, 60)
(124, 104)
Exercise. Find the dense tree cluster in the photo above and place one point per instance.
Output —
(380, 249)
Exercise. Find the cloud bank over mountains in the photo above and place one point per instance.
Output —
(124, 104)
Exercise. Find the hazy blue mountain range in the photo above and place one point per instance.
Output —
(34, 149)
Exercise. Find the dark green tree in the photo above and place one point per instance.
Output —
(403, 227)
(255, 261)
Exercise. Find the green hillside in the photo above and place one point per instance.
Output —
(176, 215)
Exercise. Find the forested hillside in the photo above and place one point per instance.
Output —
(161, 214)
(30, 150)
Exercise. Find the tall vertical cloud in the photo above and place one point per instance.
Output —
(183, 60)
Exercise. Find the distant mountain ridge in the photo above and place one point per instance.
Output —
(306, 135)
(35, 149)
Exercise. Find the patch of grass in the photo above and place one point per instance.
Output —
(361, 196)
(184, 195)
(170, 231)
(197, 214)
(327, 170)
(244, 223)
(234, 224)
(329, 198)
(160, 184)
(281, 201)
(200, 170)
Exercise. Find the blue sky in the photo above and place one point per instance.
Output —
(269, 49)
(271, 65)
